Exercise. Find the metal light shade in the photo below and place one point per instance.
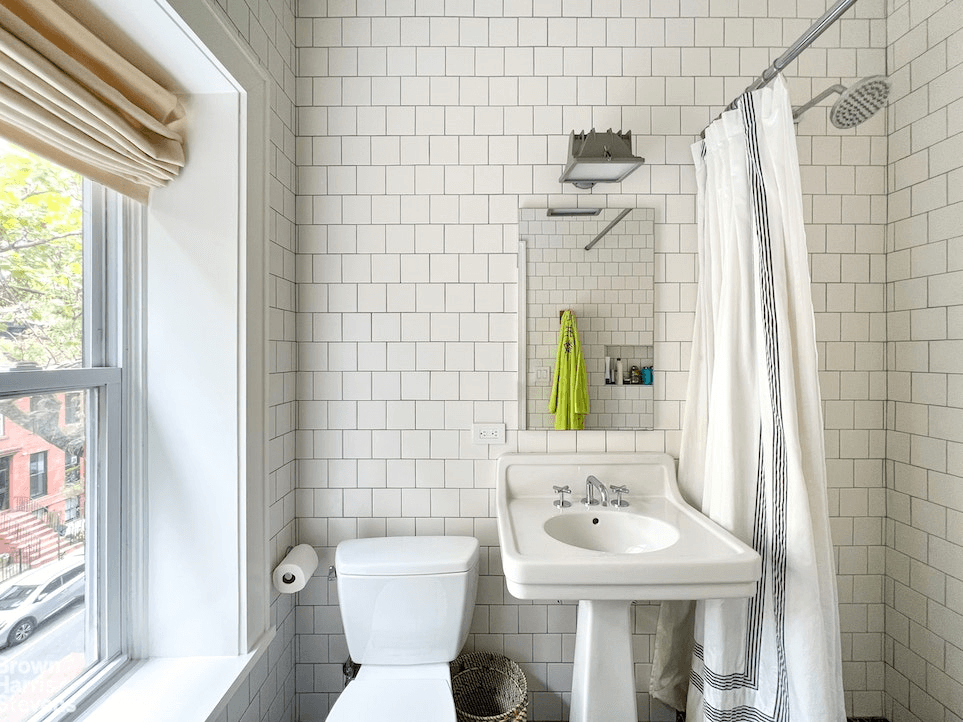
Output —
(599, 158)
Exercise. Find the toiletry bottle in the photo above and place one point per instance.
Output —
(608, 369)
(619, 378)
(647, 376)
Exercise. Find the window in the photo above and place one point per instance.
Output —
(60, 371)
(51, 588)
(5, 482)
(218, 361)
(38, 474)
(73, 574)
(71, 508)
(71, 468)
(73, 408)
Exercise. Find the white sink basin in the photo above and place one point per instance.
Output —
(612, 531)
(658, 547)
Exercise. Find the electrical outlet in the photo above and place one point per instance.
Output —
(541, 374)
(488, 433)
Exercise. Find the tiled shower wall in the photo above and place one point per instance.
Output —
(924, 469)
(423, 125)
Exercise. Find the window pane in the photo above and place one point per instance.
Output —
(41, 262)
(5, 480)
(43, 606)
(38, 474)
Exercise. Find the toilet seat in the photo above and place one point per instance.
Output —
(395, 700)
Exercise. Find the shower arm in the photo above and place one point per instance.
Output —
(795, 50)
(798, 112)
(608, 228)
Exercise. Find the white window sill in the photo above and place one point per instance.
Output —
(175, 689)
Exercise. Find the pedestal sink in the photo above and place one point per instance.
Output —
(658, 547)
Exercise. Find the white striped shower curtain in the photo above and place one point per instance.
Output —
(752, 453)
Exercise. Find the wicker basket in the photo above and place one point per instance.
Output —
(488, 688)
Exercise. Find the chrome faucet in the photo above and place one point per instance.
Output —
(591, 486)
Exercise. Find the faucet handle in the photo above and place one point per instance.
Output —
(619, 501)
(561, 503)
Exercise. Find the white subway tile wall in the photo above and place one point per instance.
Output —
(422, 127)
(923, 585)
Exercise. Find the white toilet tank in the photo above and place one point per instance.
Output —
(407, 600)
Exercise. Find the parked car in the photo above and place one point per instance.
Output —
(30, 598)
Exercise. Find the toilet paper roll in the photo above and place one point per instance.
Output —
(295, 569)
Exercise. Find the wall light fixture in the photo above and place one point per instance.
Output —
(599, 158)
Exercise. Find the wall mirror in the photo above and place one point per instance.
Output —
(610, 288)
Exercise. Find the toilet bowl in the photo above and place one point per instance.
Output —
(406, 605)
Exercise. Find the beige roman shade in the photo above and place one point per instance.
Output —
(68, 96)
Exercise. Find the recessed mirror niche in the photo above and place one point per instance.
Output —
(610, 288)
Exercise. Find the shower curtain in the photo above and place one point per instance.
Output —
(752, 453)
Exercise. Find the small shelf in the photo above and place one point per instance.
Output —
(640, 356)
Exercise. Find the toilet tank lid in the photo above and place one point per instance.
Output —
(400, 556)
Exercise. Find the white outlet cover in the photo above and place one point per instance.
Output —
(493, 433)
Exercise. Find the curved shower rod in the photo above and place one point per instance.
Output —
(794, 50)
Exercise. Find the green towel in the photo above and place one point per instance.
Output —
(569, 400)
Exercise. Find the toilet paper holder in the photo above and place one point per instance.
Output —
(295, 569)
(332, 572)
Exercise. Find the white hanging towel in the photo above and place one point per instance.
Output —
(752, 454)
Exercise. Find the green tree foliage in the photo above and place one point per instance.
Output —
(41, 262)
(41, 282)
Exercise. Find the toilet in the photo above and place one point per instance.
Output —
(406, 604)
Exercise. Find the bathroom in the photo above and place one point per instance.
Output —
(405, 136)
(420, 128)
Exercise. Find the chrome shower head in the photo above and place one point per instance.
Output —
(860, 101)
(857, 103)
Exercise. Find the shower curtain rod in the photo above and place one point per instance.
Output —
(794, 50)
